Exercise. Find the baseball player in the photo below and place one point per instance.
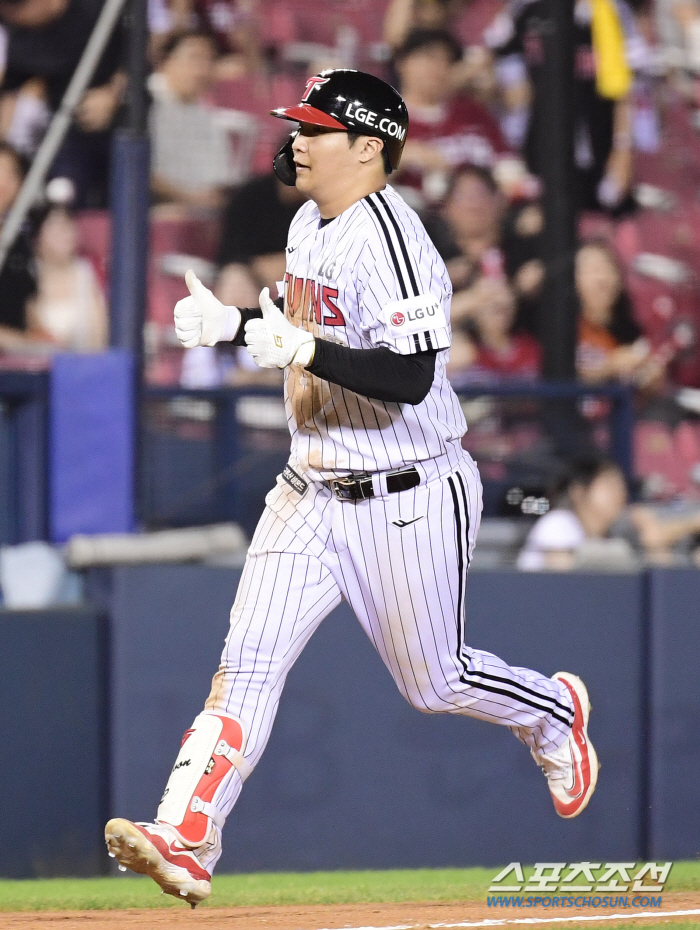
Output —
(379, 504)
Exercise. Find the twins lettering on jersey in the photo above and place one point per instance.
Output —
(372, 119)
(312, 301)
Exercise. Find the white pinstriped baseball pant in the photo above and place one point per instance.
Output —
(406, 586)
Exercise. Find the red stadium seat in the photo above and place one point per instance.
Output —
(656, 460)
(309, 21)
(94, 240)
(687, 447)
(185, 235)
(475, 18)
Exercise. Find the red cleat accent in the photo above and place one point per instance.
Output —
(154, 850)
(571, 770)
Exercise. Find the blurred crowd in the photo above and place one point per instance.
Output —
(468, 71)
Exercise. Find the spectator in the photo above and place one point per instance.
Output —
(678, 29)
(17, 278)
(235, 26)
(589, 503)
(499, 354)
(45, 40)
(191, 158)
(166, 17)
(253, 239)
(610, 344)
(603, 113)
(69, 309)
(402, 16)
(232, 24)
(474, 72)
(477, 234)
(446, 131)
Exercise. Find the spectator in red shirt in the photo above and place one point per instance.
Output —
(446, 131)
(485, 348)
(476, 233)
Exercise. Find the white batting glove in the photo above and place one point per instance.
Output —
(274, 342)
(201, 319)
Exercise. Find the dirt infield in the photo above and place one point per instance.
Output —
(356, 916)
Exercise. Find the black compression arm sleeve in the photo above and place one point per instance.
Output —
(247, 313)
(251, 313)
(377, 373)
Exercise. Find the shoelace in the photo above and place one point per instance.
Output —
(556, 764)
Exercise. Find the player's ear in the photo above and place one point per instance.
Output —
(371, 147)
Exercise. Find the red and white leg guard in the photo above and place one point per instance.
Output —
(210, 756)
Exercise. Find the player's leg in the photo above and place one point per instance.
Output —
(405, 574)
(283, 595)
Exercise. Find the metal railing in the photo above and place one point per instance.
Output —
(25, 455)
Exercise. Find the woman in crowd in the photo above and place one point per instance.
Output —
(610, 344)
(69, 307)
(590, 503)
(477, 234)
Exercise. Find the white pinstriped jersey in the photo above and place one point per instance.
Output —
(369, 278)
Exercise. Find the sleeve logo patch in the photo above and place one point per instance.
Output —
(415, 315)
(294, 480)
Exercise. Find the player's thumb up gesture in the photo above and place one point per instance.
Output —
(273, 341)
(201, 319)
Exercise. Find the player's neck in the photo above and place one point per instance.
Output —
(337, 202)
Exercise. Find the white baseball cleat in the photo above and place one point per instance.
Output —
(571, 770)
(153, 849)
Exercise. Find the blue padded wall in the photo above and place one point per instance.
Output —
(674, 625)
(53, 768)
(355, 778)
(91, 445)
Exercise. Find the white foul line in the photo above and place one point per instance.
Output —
(535, 920)
(560, 920)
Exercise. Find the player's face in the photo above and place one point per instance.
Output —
(323, 158)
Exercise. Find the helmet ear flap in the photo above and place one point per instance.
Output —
(283, 163)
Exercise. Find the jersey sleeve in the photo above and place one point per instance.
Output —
(404, 291)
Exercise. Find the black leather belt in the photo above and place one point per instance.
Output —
(359, 487)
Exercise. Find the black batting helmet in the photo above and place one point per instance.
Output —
(350, 100)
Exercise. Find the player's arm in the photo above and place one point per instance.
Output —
(274, 342)
(379, 373)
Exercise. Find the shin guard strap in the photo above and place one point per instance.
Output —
(234, 757)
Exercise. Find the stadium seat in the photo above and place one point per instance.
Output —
(475, 18)
(656, 461)
(94, 240)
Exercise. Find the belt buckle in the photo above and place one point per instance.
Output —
(349, 488)
(342, 488)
